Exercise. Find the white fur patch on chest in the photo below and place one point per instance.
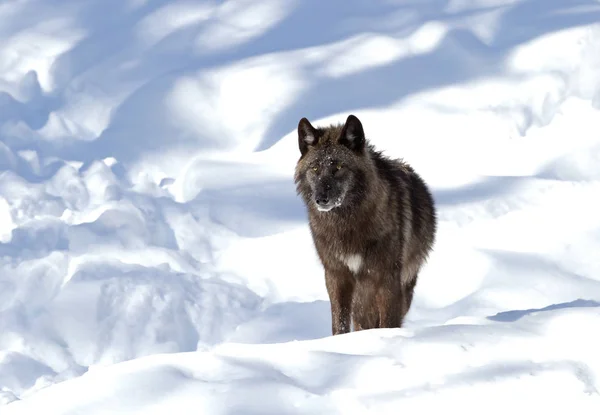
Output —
(353, 261)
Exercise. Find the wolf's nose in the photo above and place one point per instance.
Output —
(322, 200)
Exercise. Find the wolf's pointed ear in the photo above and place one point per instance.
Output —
(307, 135)
(353, 135)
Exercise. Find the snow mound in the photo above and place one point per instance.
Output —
(429, 369)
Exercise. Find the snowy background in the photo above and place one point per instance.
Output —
(154, 256)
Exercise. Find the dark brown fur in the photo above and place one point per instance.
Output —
(384, 214)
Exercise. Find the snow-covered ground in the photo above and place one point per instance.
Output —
(154, 256)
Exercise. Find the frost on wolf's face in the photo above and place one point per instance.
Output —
(329, 179)
(331, 163)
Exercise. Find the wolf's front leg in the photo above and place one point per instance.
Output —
(389, 304)
(340, 287)
(365, 314)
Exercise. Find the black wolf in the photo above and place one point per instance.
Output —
(373, 223)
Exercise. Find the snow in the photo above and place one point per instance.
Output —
(154, 256)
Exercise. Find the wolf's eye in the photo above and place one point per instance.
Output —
(339, 166)
(315, 168)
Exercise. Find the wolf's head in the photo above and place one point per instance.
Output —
(331, 170)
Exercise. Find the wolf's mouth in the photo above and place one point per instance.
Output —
(326, 207)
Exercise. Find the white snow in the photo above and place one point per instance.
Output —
(155, 258)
